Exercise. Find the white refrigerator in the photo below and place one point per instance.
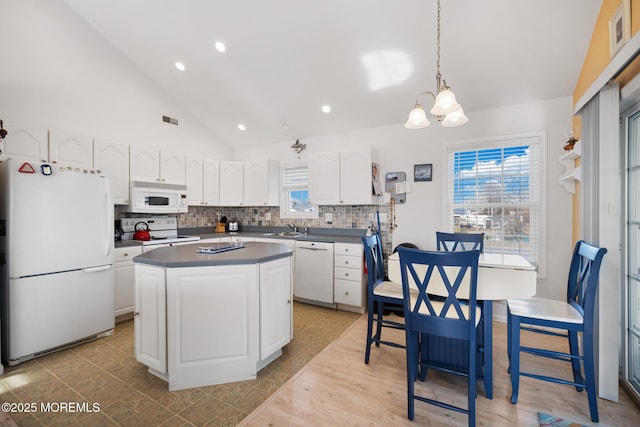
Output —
(56, 257)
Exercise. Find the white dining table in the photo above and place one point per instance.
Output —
(500, 277)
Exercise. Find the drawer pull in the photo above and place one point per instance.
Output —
(346, 274)
(346, 262)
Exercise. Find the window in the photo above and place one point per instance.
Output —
(494, 187)
(295, 193)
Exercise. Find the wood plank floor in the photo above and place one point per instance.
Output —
(337, 388)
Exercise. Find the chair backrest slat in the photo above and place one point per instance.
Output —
(446, 310)
(583, 277)
(452, 242)
(373, 257)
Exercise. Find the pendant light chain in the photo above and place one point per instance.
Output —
(438, 75)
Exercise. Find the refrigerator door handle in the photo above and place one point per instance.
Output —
(97, 269)
(109, 231)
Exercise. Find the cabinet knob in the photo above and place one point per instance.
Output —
(136, 313)
(346, 274)
(346, 262)
(288, 301)
(346, 293)
(126, 254)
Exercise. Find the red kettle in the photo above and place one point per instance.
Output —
(143, 233)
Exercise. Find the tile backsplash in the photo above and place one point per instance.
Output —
(350, 217)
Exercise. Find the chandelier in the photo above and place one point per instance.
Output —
(446, 109)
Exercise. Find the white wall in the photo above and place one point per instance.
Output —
(421, 216)
(58, 73)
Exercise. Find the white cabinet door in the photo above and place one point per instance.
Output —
(113, 159)
(28, 143)
(172, 168)
(355, 177)
(145, 164)
(150, 320)
(324, 178)
(261, 183)
(231, 183)
(211, 184)
(276, 309)
(213, 329)
(68, 149)
(256, 183)
(194, 180)
(125, 278)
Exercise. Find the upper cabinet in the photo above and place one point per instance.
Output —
(262, 183)
(28, 143)
(203, 182)
(324, 178)
(113, 160)
(342, 177)
(254, 183)
(231, 183)
(69, 149)
(152, 165)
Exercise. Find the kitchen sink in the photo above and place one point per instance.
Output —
(285, 233)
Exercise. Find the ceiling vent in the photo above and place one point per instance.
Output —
(171, 120)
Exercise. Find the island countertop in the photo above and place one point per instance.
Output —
(187, 255)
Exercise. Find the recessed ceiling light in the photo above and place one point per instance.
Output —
(220, 47)
(180, 66)
(326, 109)
(242, 127)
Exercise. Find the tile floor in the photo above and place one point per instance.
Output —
(106, 373)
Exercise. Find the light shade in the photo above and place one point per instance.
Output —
(417, 118)
(445, 103)
(457, 118)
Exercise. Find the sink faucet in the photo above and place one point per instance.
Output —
(305, 230)
(293, 227)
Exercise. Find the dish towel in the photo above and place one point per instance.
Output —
(546, 420)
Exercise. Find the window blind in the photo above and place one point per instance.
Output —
(495, 189)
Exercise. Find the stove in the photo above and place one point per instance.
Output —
(163, 230)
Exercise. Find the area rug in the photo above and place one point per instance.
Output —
(546, 420)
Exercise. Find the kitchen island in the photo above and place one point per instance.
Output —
(211, 318)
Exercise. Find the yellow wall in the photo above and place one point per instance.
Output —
(595, 61)
(597, 57)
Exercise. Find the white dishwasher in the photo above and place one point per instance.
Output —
(313, 278)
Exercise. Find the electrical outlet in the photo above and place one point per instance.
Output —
(372, 216)
(328, 217)
(383, 217)
(267, 216)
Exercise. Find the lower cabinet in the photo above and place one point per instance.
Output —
(350, 282)
(200, 326)
(124, 279)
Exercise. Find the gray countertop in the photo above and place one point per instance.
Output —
(316, 235)
(187, 255)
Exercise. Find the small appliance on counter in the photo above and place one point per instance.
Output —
(117, 230)
(234, 226)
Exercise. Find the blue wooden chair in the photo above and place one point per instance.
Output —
(381, 295)
(565, 319)
(460, 241)
(453, 242)
(454, 277)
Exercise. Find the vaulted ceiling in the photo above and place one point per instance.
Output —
(366, 59)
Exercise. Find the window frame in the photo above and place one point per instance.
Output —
(501, 142)
(284, 194)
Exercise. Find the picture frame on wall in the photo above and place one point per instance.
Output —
(619, 28)
(423, 172)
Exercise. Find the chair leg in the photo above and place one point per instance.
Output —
(514, 347)
(471, 380)
(590, 380)
(367, 352)
(575, 361)
(412, 363)
(379, 323)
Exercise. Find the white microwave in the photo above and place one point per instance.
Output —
(148, 197)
